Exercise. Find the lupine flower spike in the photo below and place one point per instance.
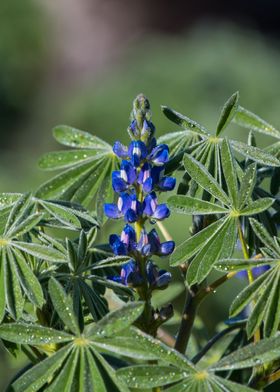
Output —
(141, 175)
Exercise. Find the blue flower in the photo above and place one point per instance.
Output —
(120, 150)
(158, 279)
(134, 211)
(122, 179)
(159, 155)
(129, 276)
(137, 151)
(167, 184)
(154, 210)
(256, 271)
(145, 178)
(125, 243)
(158, 248)
(116, 211)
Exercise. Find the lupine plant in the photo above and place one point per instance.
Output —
(92, 313)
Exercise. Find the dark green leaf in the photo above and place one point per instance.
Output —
(63, 306)
(184, 121)
(148, 376)
(254, 153)
(247, 185)
(247, 119)
(257, 206)
(72, 137)
(200, 175)
(229, 172)
(32, 334)
(227, 113)
(61, 213)
(192, 206)
(65, 159)
(117, 320)
(252, 355)
(41, 373)
(193, 244)
(40, 251)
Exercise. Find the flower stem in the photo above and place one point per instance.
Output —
(195, 296)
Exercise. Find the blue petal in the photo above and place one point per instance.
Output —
(133, 128)
(124, 202)
(111, 211)
(145, 173)
(163, 279)
(137, 151)
(148, 185)
(157, 173)
(120, 150)
(159, 155)
(128, 237)
(161, 212)
(128, 172)
(117, 245)
(150, 204)
(119, 185)
(167, 183)
(131, 216)
(166, 248)
(154, 241)
(152, 272)
(257, 271)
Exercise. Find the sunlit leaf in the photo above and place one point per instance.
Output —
(227, 113)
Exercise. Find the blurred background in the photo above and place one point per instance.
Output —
(82, 62)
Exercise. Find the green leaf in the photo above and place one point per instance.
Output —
(257, 314)
(25, 226)
(247, 119)
(116, 261)
(117, 320)
(40, 251)
(193, 244)
(72, 137)
(124, 345)
(162, 351)
(254, 354)
(229, 172)
(65, 159)
(272, 317)
(247, 294)
(227, 265)
(61, 213)
(204, 261)
(200, 175)
(247, 185)
(254, 153)
(13, 294)
(8, 199)
(149, 376)
(2, 290)
(184, 121)
(192, 206)
(17, 212)
(257, 206)
(228, 112)
(32, 334)
(63, 306)
(263, 234)
(64, 380)
(28, 280)
(40, 374)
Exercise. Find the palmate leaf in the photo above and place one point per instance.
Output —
(264, 291)
(78, 364)
(219, 238)
(88, 170)
(181, 374)
(207, 150)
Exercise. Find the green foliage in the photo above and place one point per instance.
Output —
(82, 329)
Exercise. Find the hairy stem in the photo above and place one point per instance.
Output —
(194, 298)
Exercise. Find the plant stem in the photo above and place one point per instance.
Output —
(167, 236)
(194, 298)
